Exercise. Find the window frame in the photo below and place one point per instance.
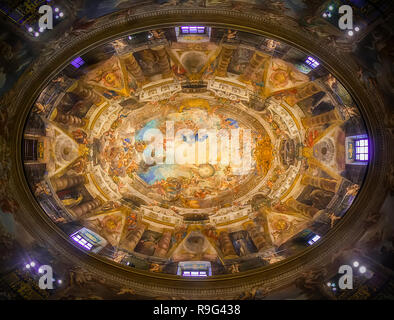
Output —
(196, 28)
(77, 62)
(361, 147)
(312, 62)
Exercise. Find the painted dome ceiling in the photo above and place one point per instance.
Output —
(195, 144)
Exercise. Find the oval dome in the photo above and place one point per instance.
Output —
(218, 148)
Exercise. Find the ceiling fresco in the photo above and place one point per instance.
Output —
(299, 138)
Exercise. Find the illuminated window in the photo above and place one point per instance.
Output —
(88, 239)
(194, 269)
(362, 150)
(77, 62)
(312, 62)
(194, 273)
(314, 239)
(192, 30)
(82, 241)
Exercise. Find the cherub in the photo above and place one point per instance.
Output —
(231, 34)
(39, 108)
(41, 189)
(352, 190)
(234, 268)
(154, 267)
(157, 34)
(126, 291)
(333, 218)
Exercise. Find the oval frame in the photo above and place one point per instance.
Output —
(348, 229)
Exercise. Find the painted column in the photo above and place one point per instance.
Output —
(67, 182)
(255, 62)
(134, 68)
(68, 119)
(300, 207)
(322, 183)
(85, 207)
(303, 92)
(257, 237)
(226, 244)
(163, 245)
(321, 119)
(225, 58)
(133, 237)
(164, 65)
(86, 92)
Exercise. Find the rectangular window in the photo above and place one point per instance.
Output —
(89, 240)
(192, 30)
(314, 239)
(77, 62)
(83, 243)
(77, 238)
(194, 269)
(194, 273)
(30, 153)
(312, 62)
(362, 150)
